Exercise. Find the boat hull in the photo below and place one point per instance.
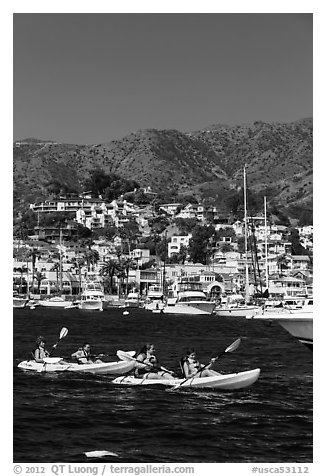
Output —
(91, 305)
(221, 382)
(49, 303)
(103, 368)
(33, 366)
(237, 311)
(297, 323)
(192, 309)
(20, 303)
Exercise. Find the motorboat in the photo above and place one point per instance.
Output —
(133, 300)
(298, 322)
(92, 297)
(190, 299)
(19, 301)
(55, 301)
(154, 298)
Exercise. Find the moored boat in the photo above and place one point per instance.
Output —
(133, 300)
(234, 310)
(154, 299)
(55, 301)
(298, 323)
(190, 299)
(92, 297)
(19, 301)
(220, 382)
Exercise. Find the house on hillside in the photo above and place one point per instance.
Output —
(176, 242)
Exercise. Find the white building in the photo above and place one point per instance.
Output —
(176, 242)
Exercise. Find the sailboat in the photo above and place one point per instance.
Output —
(56, 301)
(238, 308)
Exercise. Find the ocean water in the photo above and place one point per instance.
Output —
(59, 417)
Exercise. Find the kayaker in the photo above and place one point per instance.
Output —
(40, 352)
(191, 366)
(152, 370)
(84, 355)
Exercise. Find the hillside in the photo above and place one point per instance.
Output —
(207, 163)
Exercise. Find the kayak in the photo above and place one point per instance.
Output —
(221, 382)
(104, 368)
(51, 365)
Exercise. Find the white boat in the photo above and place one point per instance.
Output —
(92, 297)
(104, 368)
(155, 298)
(19, 301)
(298, 323)
(56, 301)
(220, 382)
(50, 365)
(301, 304)
(132, 300)
(237, 310)
(190, 300)
(59, 365)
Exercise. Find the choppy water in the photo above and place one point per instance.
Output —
(59, 417)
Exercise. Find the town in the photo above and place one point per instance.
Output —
(123, 248)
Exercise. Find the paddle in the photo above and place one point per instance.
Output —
(231, 348)
(126, 356)
(62, 335)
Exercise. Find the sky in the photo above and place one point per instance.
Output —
(91, 78)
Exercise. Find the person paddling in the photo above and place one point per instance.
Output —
(191, 366)
(40, 352)
(152, 370)
(84, 356)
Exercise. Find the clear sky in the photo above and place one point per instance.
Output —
(91, 78)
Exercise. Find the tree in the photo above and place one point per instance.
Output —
(199, 243)
(39, 278)
(186, 225)
(78, 263)
(296, 246)
(180, 257)
(109, 269)
(22, 282)
(56, 268)
(282, 263)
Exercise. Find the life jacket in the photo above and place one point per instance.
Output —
(152, 360)
(83, 355)
(192, 366)
(42, 353)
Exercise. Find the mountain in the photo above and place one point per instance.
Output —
(205, 163)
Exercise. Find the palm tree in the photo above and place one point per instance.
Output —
(22, 270)
(34, 254)
(91, 257)
(126, 264)
(39, 278)
(56, 268)
(282, 262)
(78, 263)
(110, 268)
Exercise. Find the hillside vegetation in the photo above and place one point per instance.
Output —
(207, 164)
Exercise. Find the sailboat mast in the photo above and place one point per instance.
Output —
(60, 254)
(164, 293)
(266, 247)
(246, 232)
